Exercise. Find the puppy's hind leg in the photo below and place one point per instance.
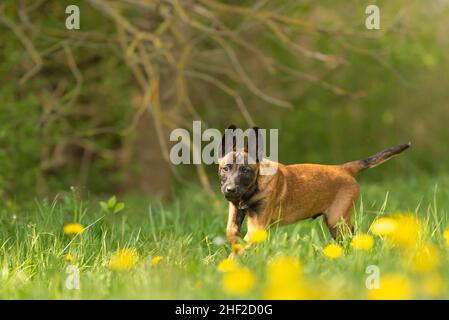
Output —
(341, 210)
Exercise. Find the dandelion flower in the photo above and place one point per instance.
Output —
(362, 242)
(425, 258)
(293, 291)
(403, 230)
(433, 285)
(237, 248)
(258, 236)
(383, 226)
(284, 280)
(284, 269)
(73, 229)
(155, 260)
(227, 265)
(446, 236)
(333, 251)
(407, 232)
(239, 281)
(123, 259)
(69, 258)
(392, 287)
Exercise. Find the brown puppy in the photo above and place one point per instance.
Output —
(292, 193)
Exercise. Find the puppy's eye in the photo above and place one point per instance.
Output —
(226, 168)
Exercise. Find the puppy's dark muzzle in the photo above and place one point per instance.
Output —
(231, 193)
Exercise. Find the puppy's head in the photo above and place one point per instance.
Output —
(238, 166)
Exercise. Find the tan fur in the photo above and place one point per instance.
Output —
(300, 191)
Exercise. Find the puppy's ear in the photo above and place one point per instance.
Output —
(259, 144)
(228, 141)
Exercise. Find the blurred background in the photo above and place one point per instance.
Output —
(94, 107)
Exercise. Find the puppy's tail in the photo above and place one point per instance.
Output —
(355, 167)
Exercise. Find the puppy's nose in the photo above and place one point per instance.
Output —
(230, 189)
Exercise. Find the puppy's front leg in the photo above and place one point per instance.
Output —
(235, 220)
(256, 222)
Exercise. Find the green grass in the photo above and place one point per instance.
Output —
(33, 245)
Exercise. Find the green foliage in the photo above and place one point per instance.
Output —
(33, 248)
(57, 131)
(50, 120)
(399, 72)
(112, 206)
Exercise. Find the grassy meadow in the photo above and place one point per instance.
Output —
(173, 251)
(96, 106)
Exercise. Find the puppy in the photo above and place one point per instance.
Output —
(292, 193)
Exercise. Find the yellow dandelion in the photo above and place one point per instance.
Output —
(433, 285)
(69, 258)
(227, 265)
(383, 226)
(258, 236)
(237, 248)
(403, 230)
(283, 291)
(362, 242)
(407, 232)
(283, 269)
(239, 281)
(73, 229)
(284, 280)
(392, 287)
(333, 251)
(123, 259)
(446, 236)
(425, 258)
(156, 260)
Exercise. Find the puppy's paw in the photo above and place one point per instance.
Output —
(232, 256)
